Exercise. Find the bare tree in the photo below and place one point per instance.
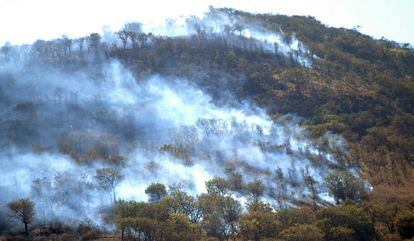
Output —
(5, 50)
(67, 45)
(123, 36)
(133, 30)
(81, 42)
(311, 184)
(109, 179)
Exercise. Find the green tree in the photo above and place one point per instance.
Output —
(142, 221)
(156, 192)
(258, 225)
(304, 232)
(255, 189)
(294, 216)
(218, 186)
(348, 216)
(220, 215)
(340, 234)
(122, 211)
(405, 224)
(179, 228)
(180, 202)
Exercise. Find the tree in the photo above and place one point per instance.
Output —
(179, 228)
(220, 215)
(142, 38)
(94, 41)
(5, 50)
(238, 28)
(180, 202)
(280, 191)
(341, 234)
(345, 187)
(348, 216)
(405, 224)
(67, 44)
(311, 184)
(132, 30)
(109, 179)
(122, 211)
(256, 190)
(142, 228)
(258, 225)
(81, 42)
(142, 221)
(305, 232)
(123, 36)
(218, 186)
(23, 211)
(156, 192)
(232, 210)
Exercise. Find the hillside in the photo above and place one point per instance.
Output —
(358, 87)
(235, 125)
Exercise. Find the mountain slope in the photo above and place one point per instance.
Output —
(357, 86)
(262, 126)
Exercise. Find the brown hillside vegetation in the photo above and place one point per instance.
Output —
(355, 86)
(358, 87)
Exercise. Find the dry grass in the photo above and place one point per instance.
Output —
(403, 192)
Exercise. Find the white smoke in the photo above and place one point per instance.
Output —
(168, 130)
(233, 27)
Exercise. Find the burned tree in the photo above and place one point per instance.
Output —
(109, 179)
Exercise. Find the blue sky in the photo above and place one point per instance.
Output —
(23, 21)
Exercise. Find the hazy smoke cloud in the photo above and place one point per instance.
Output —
(238, 30)
(162, 129)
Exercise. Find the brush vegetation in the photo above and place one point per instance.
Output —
(355, 86)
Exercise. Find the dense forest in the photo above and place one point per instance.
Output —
(235, 126)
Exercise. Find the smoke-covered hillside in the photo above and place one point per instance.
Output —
(277, 112)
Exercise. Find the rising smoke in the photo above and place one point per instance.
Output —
(165, 129)
(58, 126)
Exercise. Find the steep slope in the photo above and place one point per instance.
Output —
(284, 109)
(352, 84)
